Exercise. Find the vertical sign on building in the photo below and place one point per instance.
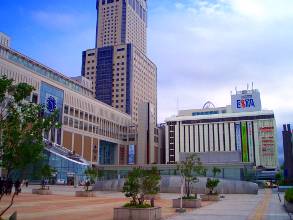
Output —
(250, 141)
(267, 143)
(238, 136)
(244, 142)
(131, 154)
(52, 99)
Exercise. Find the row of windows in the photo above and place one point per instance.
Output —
(44, 72)
(105, 128)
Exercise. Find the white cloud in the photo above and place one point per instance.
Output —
(203, 49)
(52, 19)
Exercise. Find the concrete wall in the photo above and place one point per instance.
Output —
(171, 184)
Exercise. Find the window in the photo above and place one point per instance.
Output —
(70, 122)
(81, 114)
(75, 123)
(85, 126)
(76, 113)
(81, 125)
(71, 111)
(66, 109)
(35, 98)
(65, 120)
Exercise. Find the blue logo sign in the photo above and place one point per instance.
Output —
(51, 104)
(245, 103)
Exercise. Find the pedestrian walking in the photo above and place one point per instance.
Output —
(17, 186)
(1, 186)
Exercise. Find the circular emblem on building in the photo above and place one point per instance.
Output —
(51, 104)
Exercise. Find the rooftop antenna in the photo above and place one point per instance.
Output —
(252, 85)
(177, 104)
(247, 86)
(236, 89)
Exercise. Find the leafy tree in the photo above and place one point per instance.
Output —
(140, 183)
(189, 169)
(212, 183)
(92, 175)
(150, 183)
(216, 171)
(21, 127)
(46, 173)
(131, 186)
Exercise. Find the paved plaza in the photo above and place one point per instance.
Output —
(64, 206)
(263, 206)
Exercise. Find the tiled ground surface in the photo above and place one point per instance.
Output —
(65, 206)
(264, 206)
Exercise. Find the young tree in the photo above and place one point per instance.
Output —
(212, 183)
(216, 171)
(189, 170)
(131, 186)
(21, 127)
(92, 175)
(140, 183)
(46, 173)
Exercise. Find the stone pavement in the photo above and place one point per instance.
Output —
(63, 205)
(264, 206)
(276, 211)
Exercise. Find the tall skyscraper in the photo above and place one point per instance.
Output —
(122, 22)
(288, 153)
(123, 76)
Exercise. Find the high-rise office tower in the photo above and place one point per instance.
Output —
(122, 22)
(288, 153)
(123, 76)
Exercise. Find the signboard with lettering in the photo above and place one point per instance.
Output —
(131, 154)
(266, 133)
(250, 141)
(244, 142)
(246, 101)
(238, 136)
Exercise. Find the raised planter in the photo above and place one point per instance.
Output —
(186, 203)
(289, 206)
(123, 213)
(208, 197)
(42, 191)
(84, 193)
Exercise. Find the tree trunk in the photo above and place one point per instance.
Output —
(11, 203)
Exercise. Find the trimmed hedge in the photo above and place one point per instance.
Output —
(139, 206)
(289, 195)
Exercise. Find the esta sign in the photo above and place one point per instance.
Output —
(245, 103)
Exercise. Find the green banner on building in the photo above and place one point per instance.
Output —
(244, 142)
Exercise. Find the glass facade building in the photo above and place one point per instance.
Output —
(52, 99)
(65, 167)
(104, 74)
(107, 153)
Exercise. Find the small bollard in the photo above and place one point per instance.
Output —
(152, 202)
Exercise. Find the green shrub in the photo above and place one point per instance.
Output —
(211, 185)
(139, 206)
(289, 195)
(190, 197)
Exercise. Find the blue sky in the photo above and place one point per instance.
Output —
(203, 48)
